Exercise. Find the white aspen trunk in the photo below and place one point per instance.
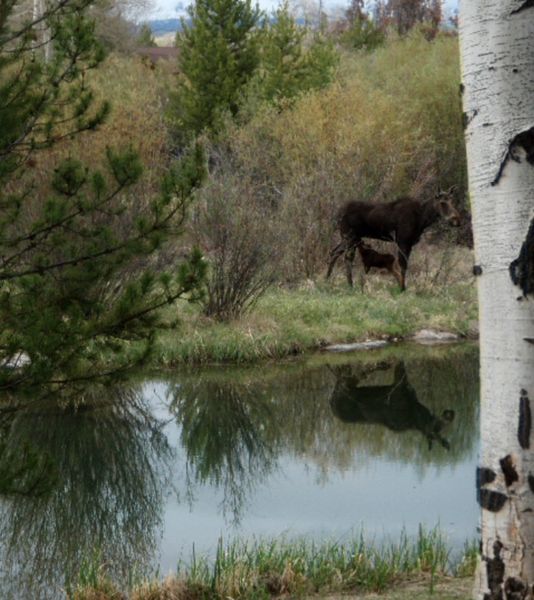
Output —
(497, 48)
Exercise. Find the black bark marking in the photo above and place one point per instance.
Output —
(462, 89)
(477, 270)
(466, 119)
(495, 573)
(491, 500)
(524, 140)
(530, 479)
(526, 4)
(529, 340)
(525, 421)
(515, 589)
(508, 469)
(485, 475)
(522, 268)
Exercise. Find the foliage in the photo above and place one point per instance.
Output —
(74, 287)
(237, 235)
(293, 59)
(359, 30)
(218, 55)
(145, 37)
(115, 22)
(363, 34)
(391, 125)
(404, 15)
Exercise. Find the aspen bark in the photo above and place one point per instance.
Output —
(497, 49)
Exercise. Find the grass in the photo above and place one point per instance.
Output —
(286, 321)
(265, 569)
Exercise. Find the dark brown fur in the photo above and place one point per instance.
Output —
(402, 221)
(372, 259)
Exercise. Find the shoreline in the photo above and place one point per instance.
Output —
(290, 322)
(406, 569)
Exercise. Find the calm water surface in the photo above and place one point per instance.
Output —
(322, 447)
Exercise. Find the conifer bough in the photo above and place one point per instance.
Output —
(75, 284)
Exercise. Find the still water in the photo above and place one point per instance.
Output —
(322, 447)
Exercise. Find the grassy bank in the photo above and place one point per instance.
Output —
(291, 321)
(419, 567)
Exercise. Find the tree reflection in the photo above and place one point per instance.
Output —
(88, 474)
(227, 432)
(394, 405)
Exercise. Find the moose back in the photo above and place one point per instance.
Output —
(402, 221)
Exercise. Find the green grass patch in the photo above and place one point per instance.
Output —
(271, 568)
(291, 321)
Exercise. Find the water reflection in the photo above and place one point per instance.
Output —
(95, 471)
(228, 433)
(394, 405)
(88, 476)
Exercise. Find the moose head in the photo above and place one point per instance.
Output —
(443, 201)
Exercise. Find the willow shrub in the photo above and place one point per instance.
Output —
(390, 125)
(135, 120)
(240, 241)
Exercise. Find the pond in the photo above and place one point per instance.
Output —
(136, 476)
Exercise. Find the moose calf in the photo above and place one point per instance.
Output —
(402, 221)
(372, 259)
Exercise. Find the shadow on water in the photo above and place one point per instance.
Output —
(95, 473)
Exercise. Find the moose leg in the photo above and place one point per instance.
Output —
(403, 256)
(396, 271)
(349, 259)
(335, 253)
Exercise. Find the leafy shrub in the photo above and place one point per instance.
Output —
(237, 235)
(390, 125)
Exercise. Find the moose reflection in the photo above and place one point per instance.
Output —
(394, 406)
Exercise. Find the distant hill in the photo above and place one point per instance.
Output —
(162, 26)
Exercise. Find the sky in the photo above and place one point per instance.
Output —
(169, 9)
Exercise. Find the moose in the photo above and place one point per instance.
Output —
(402, 221)
(372, 259)
(394, 406)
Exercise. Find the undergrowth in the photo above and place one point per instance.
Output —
(264, 569)
(289, 321)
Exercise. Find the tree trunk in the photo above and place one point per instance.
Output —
(497, 44)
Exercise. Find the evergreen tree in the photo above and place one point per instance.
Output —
(145, 37)
(293, 59)
(74, 287)
(218, 55)
(362, 34)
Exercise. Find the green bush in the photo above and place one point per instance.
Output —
(389, 125)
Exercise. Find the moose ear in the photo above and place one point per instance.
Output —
(446, 193)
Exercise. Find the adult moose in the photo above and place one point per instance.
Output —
(401, 221)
